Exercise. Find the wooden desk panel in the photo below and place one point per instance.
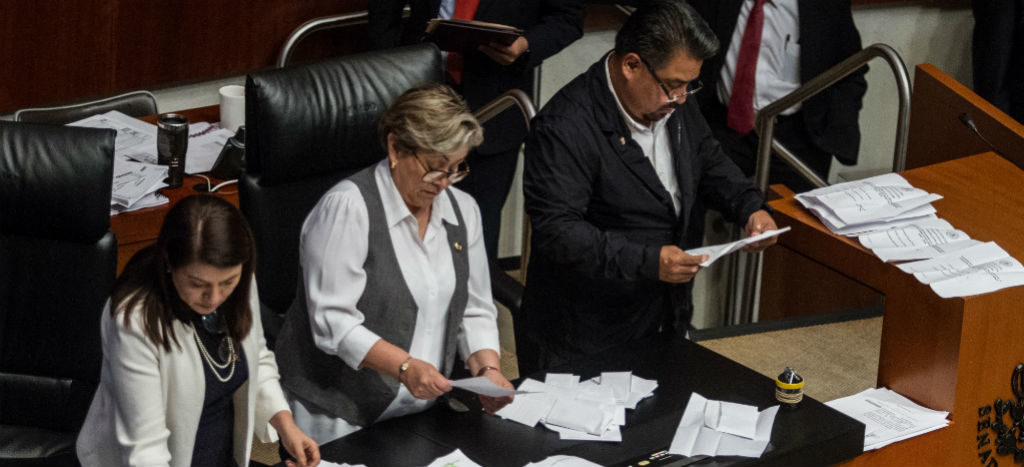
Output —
(137, 229)
(949, 354)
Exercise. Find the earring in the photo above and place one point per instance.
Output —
(393, 163)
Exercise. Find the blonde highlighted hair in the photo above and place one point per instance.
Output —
(432, 118)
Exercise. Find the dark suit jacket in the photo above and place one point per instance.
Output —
(600, 216)
(827, 37)
(998, 54)
(549, 25)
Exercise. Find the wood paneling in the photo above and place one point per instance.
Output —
(64, 50)
(937, 135)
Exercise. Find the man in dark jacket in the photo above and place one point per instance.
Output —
(614, 164)
(548, 27)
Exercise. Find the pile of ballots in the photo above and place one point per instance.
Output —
(897, 222)
(591, 410)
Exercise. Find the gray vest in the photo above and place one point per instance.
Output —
(360, 396)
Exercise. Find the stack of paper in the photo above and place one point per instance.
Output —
(888, 417)
(137, 177)
(897, 223)
(591, 410)
(715, 252)
(716, 428)
(870, 204)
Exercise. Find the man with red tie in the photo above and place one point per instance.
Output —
(770, 48)
(480, 76)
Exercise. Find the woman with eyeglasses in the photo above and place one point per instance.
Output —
(187, 378)
(394, 279)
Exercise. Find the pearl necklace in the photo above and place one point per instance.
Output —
(214, 366)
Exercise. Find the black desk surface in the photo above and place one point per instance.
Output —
(811, 435)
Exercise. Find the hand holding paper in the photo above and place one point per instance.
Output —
(715, 252)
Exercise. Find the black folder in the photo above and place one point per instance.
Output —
(461, 35)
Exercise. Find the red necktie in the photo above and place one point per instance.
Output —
(464, 9)
(741, 102)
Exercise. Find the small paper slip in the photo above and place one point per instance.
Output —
(695, 437)
(324, 463)
(618, 382)
(925, 252)
(888, 417)
(977, 283)
(957, 261)
(581, 416)
(715, 252)
(911, 236)
(148, 201)
(563, 461)
(482, 385)
(562, 380)
(611, 435)
(926, 220)
(453, 459)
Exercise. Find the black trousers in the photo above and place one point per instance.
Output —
(790, 131)
(490, 178)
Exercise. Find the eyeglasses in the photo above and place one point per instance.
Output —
(433, 175)
(686, 90)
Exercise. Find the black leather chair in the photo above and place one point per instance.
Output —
(133, 104)
(308, 127)
(58, 261)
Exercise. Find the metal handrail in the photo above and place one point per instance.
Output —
(765, 124)
(319, 24)
(765, 121)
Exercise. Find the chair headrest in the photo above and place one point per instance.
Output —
(321, 118)
(55, 181)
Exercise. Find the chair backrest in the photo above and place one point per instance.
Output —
(308, 127)
(58, 262)
(133, 104)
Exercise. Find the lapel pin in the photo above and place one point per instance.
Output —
(458, 246)
(622, 140)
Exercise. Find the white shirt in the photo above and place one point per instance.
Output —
(333, 248)
(653, 142)
(778, 60)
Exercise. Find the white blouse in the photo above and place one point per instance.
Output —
(333, 248)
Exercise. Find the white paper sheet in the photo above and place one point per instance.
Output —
(484, 386)
(453, 459)
(1001, 265)
(693, 437)
(888, 417)
(977, 283)
(612, 435)
(715, 252)
(133, 180)
(957, 261)
(911, 236)
(203, 150)
(562, 380)
(925, 252)
(134, 136)
(563, 461)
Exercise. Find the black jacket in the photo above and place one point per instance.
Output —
(600, 216)
(827, 37)
(549, 26)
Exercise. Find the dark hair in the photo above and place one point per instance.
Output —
(659, 29)
(200, 228)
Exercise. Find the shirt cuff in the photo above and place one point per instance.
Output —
(353, 348)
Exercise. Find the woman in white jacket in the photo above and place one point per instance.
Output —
(187, 378)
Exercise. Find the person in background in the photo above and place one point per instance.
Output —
(394, 279)
(187, 378)
(998, 54)
(770, 48)
(615, 163)
(480, 76)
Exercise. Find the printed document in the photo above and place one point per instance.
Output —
(715, 252)
(888, 417)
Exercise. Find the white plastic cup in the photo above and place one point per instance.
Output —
(232, 106)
